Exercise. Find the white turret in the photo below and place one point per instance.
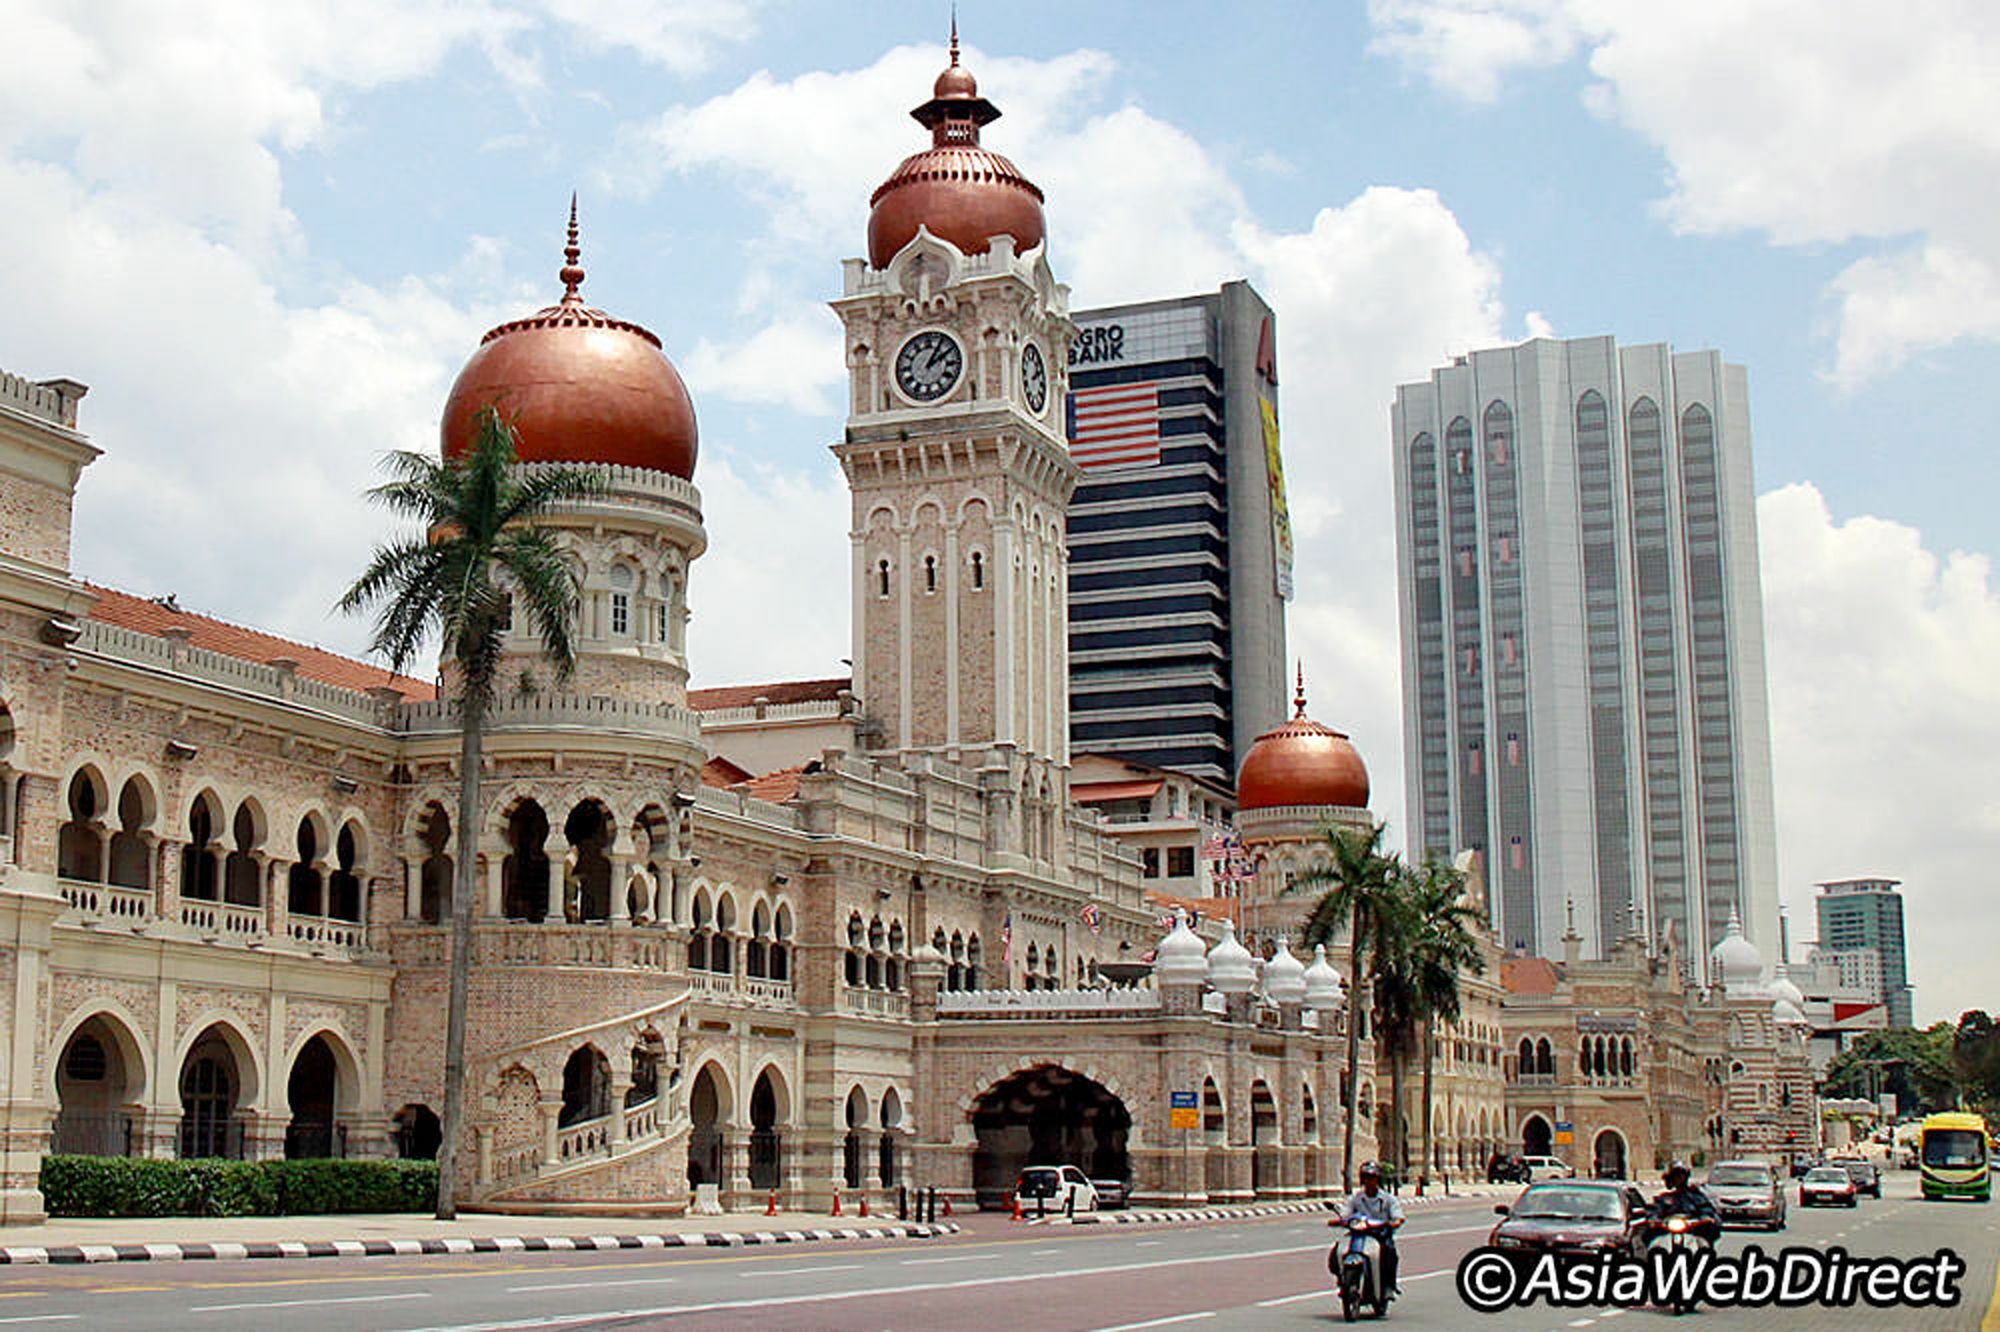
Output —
(1284, 977)
(1736, 961)
(1231, 969)
(1181, 959)
(1322, 983)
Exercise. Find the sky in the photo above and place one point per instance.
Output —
(267, 233)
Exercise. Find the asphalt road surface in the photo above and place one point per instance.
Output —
(1252, 1274)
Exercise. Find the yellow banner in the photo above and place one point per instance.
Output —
(1281, 514)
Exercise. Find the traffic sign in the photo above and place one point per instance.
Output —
(1183, 1110)
(1181, 1100)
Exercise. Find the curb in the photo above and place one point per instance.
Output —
(384, 1248)
(1167, 1216)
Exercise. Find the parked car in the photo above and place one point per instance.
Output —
(1548, 1167)
(1866, 1178)
(1111, 1193)
(1572, 1216)
(1507, 1168)
(1043, 1189)
(1748, 1192)
(1827, 1186)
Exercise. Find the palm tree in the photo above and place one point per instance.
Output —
(480, 559)
(1397, 1006)
(1443, 947)
(1357, 883)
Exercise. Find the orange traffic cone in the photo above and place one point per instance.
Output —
(947, 1205)
(771, 1207)
(1015, 1198)
(864, 1205)
(836, 1203)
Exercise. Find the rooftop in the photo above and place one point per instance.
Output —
(781, 691)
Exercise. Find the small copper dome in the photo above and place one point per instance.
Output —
(1302, 763)
(578, 386)
(961, 192)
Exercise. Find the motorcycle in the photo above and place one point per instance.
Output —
(1675, 1232)
(1356, 1269)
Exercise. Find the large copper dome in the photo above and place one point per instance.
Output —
(578, 386)
(962, 192)
(1302, 763)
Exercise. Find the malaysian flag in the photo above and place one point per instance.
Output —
(1092, 921)
(1007, 938)
(1117, 425)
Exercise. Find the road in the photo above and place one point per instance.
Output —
(1252, 1274)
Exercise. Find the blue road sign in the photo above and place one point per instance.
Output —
(1181, 1101)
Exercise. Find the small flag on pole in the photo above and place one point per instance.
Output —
(1007, 938)
(1092, 921)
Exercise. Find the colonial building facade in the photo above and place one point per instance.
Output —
(723, 945)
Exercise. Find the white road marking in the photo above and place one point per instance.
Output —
(1156, 1322)
(1581, 1322)
(1037, 1253)
(1148, 1244)
(873, 1293)
(44, 1318)
(299, 1304)
(1294, 1299)
(586, 1285)
(956, 1258)
(801, 1271)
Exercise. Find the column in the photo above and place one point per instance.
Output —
(619, 1086)
(551, 1108)
(166, 877)
(413, 890)
(621, 876)
(273, 875)
(495, 889)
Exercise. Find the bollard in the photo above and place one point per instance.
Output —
(864, 1206)
(903, 1204)
(771, 1207)
(1069, 1205)
(947, 1203)
(836, 1203)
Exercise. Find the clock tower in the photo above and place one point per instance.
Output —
(957, 341)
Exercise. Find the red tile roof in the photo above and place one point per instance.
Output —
(1533, 977)
(781, 691)
(150, 617)
(1209, 908)
(774, 787)
(720, 772)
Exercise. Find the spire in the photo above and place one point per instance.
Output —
(954, 36)
(1299, 698)
(572, 271)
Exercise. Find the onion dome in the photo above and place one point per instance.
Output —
(1322, 982)
(1180, 958)
(959, 191)
(1231, 969)
(1302, 763)
(1788, 1014)
(1737, 963)
(1782, 988)
(578, 386)
(1284, 977)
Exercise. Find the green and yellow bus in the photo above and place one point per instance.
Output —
(1952, 1152)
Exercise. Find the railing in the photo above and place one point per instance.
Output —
(108, 901)
(878, 1003)
(1533, 1079)
(223, 919)
(553, 944)
(91, 1133)
(592, 1137)
(325, 932)
(203, 1137)
(315, 1139)
(1006, 1002)
(757, 990)
(514, 1164)
(547, 711)
(642, 1120)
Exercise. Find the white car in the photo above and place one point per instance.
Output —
(1054, 1190)
(1548, 1167)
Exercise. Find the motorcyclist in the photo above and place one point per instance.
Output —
(1385, 1212)
(1683, 1197)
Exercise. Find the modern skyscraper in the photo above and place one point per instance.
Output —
(1583, 639)
(1180, 545)
(1861, 927)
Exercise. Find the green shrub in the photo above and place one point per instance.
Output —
(126, 1186)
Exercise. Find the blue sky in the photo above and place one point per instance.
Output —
(268, 233)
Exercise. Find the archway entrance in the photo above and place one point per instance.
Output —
(767, 1148)
(1263, 1139)
(211, 1085)
(586, 1086)
(419, 1133)
(312, 1093)
(96, 1085)
(1046, 1115)
(1536, 1136)
(1608, 1155)
(705, 1137)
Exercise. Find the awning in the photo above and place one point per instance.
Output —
(1098, 793)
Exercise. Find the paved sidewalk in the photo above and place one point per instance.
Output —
(174, 1239)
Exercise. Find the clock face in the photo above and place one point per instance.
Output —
(929, 365)
(1034, 378)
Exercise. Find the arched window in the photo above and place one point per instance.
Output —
(855, 941)
(1034, 965)
(781, 944)
(978, 571)
(621, 600)
(972, 963)
(198, 876)
(930, 573)
(343, 886)
(80, 842)
(435, 875)
(882, 578)
(756, 953)
(243, 876)
(1545, 1058)
(699, 936)
(305, 887)
(130, 855)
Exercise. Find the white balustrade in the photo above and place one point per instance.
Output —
(990, 1002)
(592, 1137)
(642, 1120)
(105, 901)
(324, 932)
(223, 919)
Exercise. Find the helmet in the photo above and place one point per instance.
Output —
(1679, 1168)
(1370, 1168)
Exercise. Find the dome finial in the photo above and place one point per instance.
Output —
(954, 35)
(572, 271)
(1299, 698)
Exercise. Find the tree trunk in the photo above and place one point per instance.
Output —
(1354, 1005)
(1430, 1148)
(464, 905)
(1398, 1145)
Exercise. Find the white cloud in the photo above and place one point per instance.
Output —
(792, 361)
(770, 598)
(1886, 726)
(1812, 123)
(681, 36)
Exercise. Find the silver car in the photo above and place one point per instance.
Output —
(1747, 1193)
